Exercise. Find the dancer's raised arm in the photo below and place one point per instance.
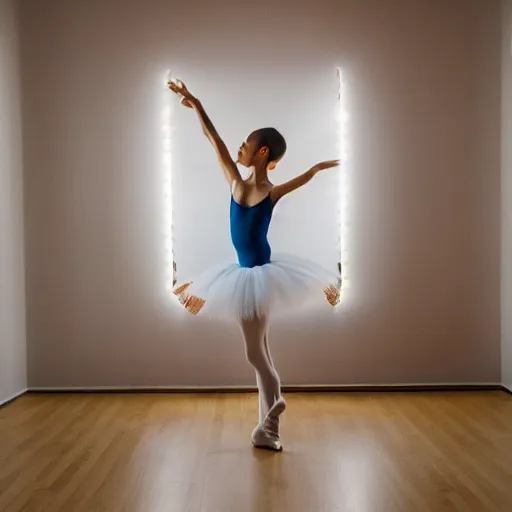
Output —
(299, 181)
(190, 101)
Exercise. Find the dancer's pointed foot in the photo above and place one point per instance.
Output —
(266, 434)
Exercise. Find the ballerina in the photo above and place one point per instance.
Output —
(248, 291)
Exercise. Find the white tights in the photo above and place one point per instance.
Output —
(255, 333)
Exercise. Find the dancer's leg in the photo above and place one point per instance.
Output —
(262, 412)
(263, 409)
(269, 386)
(271, 404)
(267, 350)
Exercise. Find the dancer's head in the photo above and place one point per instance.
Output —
(263, 148)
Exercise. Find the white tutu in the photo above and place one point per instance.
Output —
(283, 285)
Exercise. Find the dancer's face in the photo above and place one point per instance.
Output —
(248, 152)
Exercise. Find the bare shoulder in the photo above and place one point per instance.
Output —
(237, 186)
(239, 190)
(275, 193)
(248, 194)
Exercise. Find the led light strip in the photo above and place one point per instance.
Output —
(344, 175)
(167, 189)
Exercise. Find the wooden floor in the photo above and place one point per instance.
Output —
(391, 452)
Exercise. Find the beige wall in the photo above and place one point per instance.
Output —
(424, 96)
(506, 198)
(12, 287)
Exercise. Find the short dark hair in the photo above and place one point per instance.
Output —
(272, 139)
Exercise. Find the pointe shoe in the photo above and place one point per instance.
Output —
(266, 434)
(277, 409)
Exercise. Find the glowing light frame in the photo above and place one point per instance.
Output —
(343, 121)
(170, 270)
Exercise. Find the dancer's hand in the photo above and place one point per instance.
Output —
(322, 166)
(178, 87)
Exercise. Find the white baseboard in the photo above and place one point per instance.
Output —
(13, 397)
(462, 386)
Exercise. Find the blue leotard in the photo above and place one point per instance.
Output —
(249, 229)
